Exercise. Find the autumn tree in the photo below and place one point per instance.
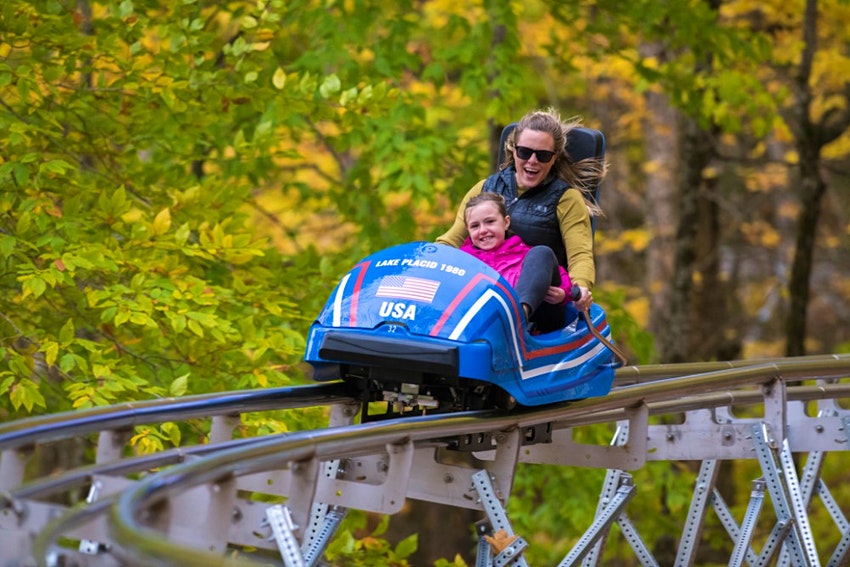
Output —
(818, 116)
(183, 183)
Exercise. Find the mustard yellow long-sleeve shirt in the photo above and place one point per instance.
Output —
(576, 233)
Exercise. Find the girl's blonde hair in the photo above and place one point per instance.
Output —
(487, 197)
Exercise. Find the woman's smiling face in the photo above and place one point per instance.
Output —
(531, 172)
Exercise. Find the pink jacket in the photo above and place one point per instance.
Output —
(507, 260)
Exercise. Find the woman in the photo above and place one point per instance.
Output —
(533, 272)
(548, 196)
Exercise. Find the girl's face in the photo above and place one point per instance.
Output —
(486, 225)
(531, 172)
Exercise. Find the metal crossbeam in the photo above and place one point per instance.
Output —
(744, 535)
(696, 513)
(610, 513)
(637, 544)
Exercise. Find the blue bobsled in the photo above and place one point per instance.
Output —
(428, 325)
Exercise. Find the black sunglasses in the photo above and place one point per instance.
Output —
(543, 156)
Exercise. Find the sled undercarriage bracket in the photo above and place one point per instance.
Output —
(485, 441)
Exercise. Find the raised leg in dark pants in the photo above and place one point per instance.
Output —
(539, 271)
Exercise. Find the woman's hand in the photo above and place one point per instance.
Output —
(585, 300)
(555, 295)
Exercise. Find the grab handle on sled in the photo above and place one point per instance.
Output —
(575, 296)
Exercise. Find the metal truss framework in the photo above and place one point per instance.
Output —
(202, 505)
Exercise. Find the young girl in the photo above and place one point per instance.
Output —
(534, 272)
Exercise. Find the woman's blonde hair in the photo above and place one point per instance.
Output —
(585, 174)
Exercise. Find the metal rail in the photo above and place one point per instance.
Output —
(58, 426)
(144, 522)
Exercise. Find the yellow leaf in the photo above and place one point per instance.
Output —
(132, 215)
(196, 328)
(162, 222)
(51, 351)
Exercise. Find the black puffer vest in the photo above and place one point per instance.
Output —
(534, 215)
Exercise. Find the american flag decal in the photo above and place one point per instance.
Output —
(403, 287)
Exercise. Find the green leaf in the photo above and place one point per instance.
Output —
(407, 547)
(330, 86)
(56, 166)
(34, 286)
(172, 433)
(7, 245)
(67, 362)
(125, 8)
(22, 174)
(196, 328)
(67, 332)
(179, 385)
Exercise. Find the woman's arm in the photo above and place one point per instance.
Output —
(576, 233)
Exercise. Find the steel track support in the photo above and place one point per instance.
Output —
(283, 532)
(512, 552)
(13, 463)
(614, 478)
(841, 554)
(222, 427)
(323, 521)
(483, 557)
(600, 526)
(635, 541)
(842, 551)
(743, 536)
(784, 489)
(88, 546)
(832, 507)
(774, 541)
(696, 513)
(609, 489)
(110, 445)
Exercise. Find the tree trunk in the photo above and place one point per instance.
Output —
(697, 152)
(661, 144)
(812, 188)
(711, 337)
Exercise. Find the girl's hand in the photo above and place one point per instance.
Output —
(555, 295)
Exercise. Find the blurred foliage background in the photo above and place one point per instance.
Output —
(182, 183)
